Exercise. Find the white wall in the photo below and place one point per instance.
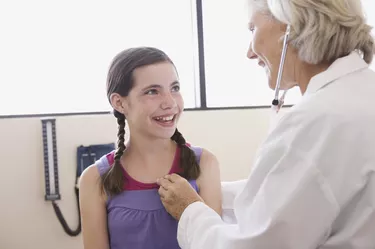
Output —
(27, 221)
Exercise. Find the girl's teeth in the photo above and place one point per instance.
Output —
(165, 118)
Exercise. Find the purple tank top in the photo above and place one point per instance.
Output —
(137, 219)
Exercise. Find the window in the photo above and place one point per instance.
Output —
(55, 55)
(231, 78)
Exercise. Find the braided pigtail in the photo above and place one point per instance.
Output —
(113, 179)
(188, 161)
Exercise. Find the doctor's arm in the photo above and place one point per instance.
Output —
(289, 206)
(299, 217)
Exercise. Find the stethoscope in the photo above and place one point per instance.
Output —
(277, 102)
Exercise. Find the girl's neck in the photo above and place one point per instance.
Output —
(147, 152)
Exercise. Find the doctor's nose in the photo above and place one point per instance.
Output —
(250, 53)
(168, 102)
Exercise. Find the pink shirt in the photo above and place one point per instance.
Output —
(132, 184)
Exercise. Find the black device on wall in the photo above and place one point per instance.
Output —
(86, 156)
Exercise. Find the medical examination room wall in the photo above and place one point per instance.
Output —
(28, 221)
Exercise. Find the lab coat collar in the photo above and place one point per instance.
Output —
(339, 68)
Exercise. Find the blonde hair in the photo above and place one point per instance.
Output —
(322, 31)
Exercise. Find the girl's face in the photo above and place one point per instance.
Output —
(154, 104)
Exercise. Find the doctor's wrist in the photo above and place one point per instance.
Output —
(187, 204)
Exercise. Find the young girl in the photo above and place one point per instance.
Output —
(119, 200)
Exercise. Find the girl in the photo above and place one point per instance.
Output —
(119, 200)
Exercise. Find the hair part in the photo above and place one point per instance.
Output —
(322, 31)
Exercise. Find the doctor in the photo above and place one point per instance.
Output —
(313, 182)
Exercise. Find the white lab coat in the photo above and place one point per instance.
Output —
(313, 182)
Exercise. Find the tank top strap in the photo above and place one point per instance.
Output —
(197, 151)
(103, 163)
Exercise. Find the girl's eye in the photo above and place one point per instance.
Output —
(151, 92)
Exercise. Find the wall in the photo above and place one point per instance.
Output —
(27, 221)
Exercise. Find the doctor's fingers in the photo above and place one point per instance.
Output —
(164, 183)
(174, 178)
(166, 195)
(162, 192)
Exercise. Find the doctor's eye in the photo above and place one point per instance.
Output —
(251, 28)
(176, 88)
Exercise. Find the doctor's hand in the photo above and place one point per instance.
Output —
(176, 194)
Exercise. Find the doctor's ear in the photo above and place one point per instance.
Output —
(119, 103)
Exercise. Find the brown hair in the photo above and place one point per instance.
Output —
(120, 80)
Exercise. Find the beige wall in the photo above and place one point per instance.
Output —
(27, 221)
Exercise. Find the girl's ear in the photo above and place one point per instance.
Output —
(119, 103)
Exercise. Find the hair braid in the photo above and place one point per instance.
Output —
(113, 179)
(188, 161)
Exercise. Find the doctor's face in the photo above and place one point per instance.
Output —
(266, 47)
